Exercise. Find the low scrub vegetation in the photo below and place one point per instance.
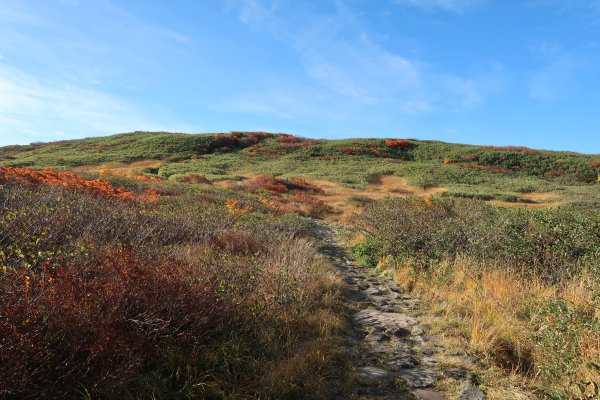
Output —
(519, 287)
(105, 297)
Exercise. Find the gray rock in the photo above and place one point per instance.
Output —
(394, 296)
(378, 319)
(374, 376)
(377, 336)
(398, 332)
(402, 362)
(373, 291)
(417, 339)
(471, 393)
(456, 373)
(430, 351)
(418, 377)
(429, 362)
(395, 288)
(379, 348)
(428, 394)
(421, 329)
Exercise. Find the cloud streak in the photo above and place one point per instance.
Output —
(353, 71)
(64, 85)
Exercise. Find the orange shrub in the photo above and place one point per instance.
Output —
(397, 143)
(267, 182)
(234, 207)
(65, 179)
(285, 138)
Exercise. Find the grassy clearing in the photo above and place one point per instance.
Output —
(517, 288)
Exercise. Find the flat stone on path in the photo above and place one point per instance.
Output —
(418, 377)
(387, 321)
(374, 376)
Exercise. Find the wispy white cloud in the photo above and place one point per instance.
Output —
(557, 77)
(63, 86)
(35, 110)
(353, 71)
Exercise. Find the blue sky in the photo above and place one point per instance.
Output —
(503, 72)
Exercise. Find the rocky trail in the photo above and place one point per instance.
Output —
(391, 354)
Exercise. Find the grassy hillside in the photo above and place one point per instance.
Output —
(463, 170)
(181, 265)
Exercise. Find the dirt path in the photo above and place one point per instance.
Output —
(392, 355)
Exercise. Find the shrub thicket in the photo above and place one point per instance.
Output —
(109, 298)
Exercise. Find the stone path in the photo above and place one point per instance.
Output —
(392, 355)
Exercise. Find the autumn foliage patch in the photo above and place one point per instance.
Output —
(195, 179)
(397, 143)
(101, 325)
(65, 179)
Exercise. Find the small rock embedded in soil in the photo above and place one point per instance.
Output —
(418, 377)
(457, 373)
(472, 393)
(376, 337)
(427, 394)
(430, 351)
(374, 376)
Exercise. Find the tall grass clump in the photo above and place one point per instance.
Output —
(519, 287)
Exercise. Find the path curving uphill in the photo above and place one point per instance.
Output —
(391, 354)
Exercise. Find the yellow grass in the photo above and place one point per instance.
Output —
(482, 309)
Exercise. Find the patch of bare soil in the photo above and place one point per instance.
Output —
(120, 168)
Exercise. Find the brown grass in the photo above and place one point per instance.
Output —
(481, 309)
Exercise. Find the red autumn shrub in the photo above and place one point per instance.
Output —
(52, 177)
(100, 324)
(397, 143)
(555, 174)
(377, 152)
(285, 138)
(267, 182)
(351, 151)
(195, 179)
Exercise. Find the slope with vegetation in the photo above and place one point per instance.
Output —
(160, 265)
(106, 292)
